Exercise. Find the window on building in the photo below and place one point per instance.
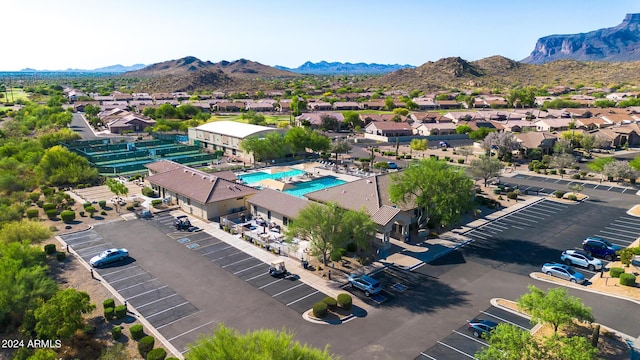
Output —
(285, 220)
(269, 215)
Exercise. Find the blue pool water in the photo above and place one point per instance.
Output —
(314, 185)
(259, 176)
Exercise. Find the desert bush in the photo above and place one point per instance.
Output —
(34, 196)
(559, 194)
(512, 195)
(156, 202)
(351, 247)
(319, 309)
(148, 192)
(331, 302)
(68, 216)
(616, 271)
(460, 161)
(344, 301)
(157, 354)
(91, 210)
(145, 345)
(61, 256)
(32, 213)
(116, 332)
(50, 249)
(137, 332)
(109, 303)
(86, 204)
(572, 197)
(102, 203)
(627, 279)
(51, 213)
(120, 311)
(109, 314)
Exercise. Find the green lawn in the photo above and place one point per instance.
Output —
(14, 95)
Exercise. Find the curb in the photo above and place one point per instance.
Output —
(534, 275)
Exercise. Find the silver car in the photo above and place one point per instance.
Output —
(581, 258)
(564, 272)
(108, 256)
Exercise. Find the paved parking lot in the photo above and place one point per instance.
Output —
(462, 344)
(552, 184)
(157, 302)
(288, 290)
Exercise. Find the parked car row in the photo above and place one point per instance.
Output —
(591, 247)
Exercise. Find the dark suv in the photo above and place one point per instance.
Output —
(601, 248)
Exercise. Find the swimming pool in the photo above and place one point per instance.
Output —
(259, 176)
(314, 185)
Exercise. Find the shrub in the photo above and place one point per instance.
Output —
(103, 213)
(82, 213)
(39, 203)
(51, 213)
(120, 311)
(337, 254)
(32, 213)
(109, 314)
(156, 202)
(148, 192)
(68, 216)
(460, 161)
(583, 173)
(615, 272)
(86, 205)
(559, 194)
(109, 303)
(137, 332)
(48, 206)
(34, 196)
(331, 302)
(172, 358)
(512, 195)
(344, 301)
(351, 247)
(553, 171)
(627, 279)
(49, 249)
(102, 203)
(319, 309)
(47, 191)
(91, 210)
(576, 176)
(157, 354)
(60, 256)
(497, 191)
(572, 197)
(145, 345)
(130, 207)
(116, 332)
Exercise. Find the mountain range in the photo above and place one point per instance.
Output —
(339, 68)
(619, 43)
(107, 69)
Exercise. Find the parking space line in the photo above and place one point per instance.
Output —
(85, 248)
(249, 268)
(304, 297)
(257, 276)
(429, 356)
(164, 311)
(146, 292)
(86, 242)
(134, 285)
(227, 255)
(615, 239)
(211, 252)
(620, 230)
(621, 224)
(499, 225)
(128, 277)
(633, 220)
(155, 301)
(194, 329)
(504, 320)
(456, 350)
(115, 272)
(284, 291)
(471, 337)
(239, 261)
(176, 320)
(271, 283)
(205, 246)
(520, 213)
(622, 235)
(475, 234)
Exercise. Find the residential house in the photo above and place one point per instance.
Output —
(429, 129)
(425, 103)
(536, 140)
(319, 106)
(448, 104)
(314, 120)
(429, 117)
(129, 122)
(261, 106)
(372, 105)
(226, 106)
(618, 136)
(592, 123)
(345, 105)
(518, 125)
(551, 125)
(388, 128)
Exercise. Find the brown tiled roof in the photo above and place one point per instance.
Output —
(163, 166)
(533, 139)
(279, 202)
(384, 215)
(199, 186)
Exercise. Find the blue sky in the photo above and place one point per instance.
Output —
(87, 34)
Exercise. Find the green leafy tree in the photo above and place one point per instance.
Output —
(56, 138)
(319, 142)
(563, 146)
(329, 123)
(619, 169)
(441, 193)
(253, 118)
(116, 352)
(44, 354)
(118, 189)
(485, 168)
(508, 342)
(228, 344)
(598, 164)
(92, 110)
(569, 348)
(463, 129)
(60, 166)
(340, 146)
(588, 142)
(389, 104)
(166, 111)
(554, 307)
(24, 230)
(329, 227)
(635, 163)
(352, 119)
(61, 316)
(418, 145)
(298, 105)
(480, 134)
(270, 147)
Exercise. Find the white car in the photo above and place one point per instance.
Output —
(109, 256)
(581, 258)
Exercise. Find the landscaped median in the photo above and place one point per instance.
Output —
(334, 311)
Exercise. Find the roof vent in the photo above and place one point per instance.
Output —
(193, 173)
(344, 191)
(369, 181)
(185, 170)
(229, 187)
(212, 179)
(204, 177)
